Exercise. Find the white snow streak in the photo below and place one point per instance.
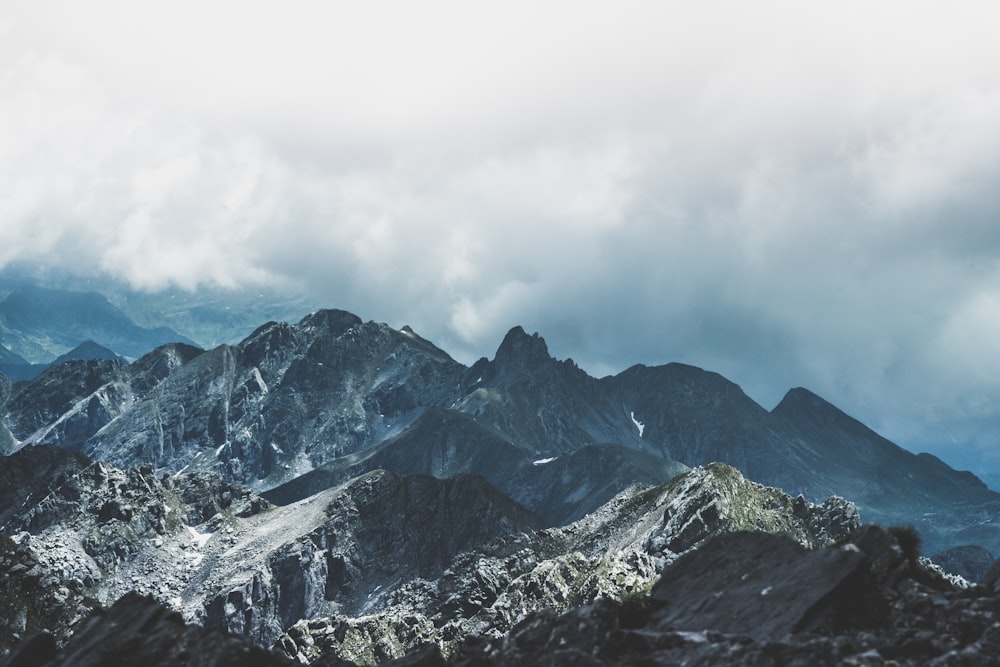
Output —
(638, 424)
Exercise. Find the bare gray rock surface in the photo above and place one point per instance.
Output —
(862, 602)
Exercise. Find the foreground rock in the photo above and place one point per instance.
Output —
(755, 599)
(80, 534)
(743, 598)
(139, 631)
(614, 553)
(76, 534)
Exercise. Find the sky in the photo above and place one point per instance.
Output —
(788, 193)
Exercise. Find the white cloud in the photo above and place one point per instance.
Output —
(785, 194)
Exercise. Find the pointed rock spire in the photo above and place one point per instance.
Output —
(519, 348)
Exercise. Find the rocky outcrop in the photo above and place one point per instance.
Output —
(220, 554)
(81, 533)
(615, 553)
(139, 631)
(739, 599)
(365, 571)
(751, 598)
(346, 549)
(34, 597)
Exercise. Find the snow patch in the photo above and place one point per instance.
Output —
(638, 424)
(199, 539)
(541, 462)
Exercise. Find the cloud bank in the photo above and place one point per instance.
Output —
(787, 195)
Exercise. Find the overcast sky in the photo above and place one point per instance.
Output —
(789, 193)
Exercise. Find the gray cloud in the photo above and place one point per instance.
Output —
(786, 198)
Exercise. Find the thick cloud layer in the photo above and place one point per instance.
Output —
(784, 195)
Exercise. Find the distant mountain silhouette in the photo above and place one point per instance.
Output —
(40, 324)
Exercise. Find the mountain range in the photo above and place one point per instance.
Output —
(295, 408)
(346, 492)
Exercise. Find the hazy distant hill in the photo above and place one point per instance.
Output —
(40, 324)
(17, 369)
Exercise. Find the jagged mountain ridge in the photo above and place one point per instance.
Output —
(222, 555)
(758, 599)
(420, 558)
(864, 601)
(615, 552)
(339, 394)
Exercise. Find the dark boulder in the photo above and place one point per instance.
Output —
(757, 584)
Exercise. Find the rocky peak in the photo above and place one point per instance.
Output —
(519, 350)
(717, 498)
(86, 350)
(333, 321)
(416, 340)
(800, 401)
(147, 371)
